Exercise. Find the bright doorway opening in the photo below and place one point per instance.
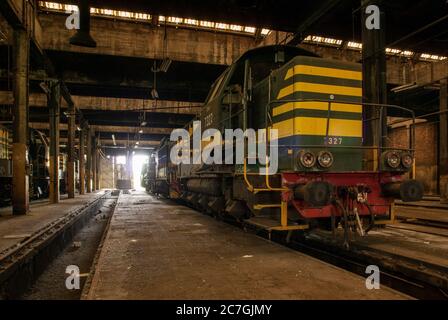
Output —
(137, 164)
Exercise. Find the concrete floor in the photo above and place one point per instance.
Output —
(155, 249)
(14, 229)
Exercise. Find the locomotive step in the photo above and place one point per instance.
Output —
(264, 206)
(271, 224)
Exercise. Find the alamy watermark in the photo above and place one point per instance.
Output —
(72, 21)
(72, 281)
(373, 17)
(233, 139)
(373, 280)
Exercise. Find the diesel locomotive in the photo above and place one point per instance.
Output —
(335, 167)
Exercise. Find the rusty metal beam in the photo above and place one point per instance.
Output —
(94, 152)
(20, 166)
(112, 104)
(71, 152)
(53, 105)
(82, 164)
(374, 78)
(114, 129)
(124, 38)
(89, 160)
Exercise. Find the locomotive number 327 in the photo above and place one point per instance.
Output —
(334, 140)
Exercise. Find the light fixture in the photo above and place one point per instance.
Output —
(306, 158)
(144, 123)
(393, 159)
(113, 139)
(154, 94)
(164, 66)
(407, 160)
(325, 159)
(140, 131)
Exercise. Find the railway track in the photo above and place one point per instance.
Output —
(429, 217)
(22, 264)
(414, 277)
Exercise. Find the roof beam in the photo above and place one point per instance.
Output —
(121, 142)
(131, 39)
(113, 129)
(112, 104)
(427, 74)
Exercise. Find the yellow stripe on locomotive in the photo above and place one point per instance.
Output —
(306, 86)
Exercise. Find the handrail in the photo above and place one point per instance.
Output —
(250, 187)
(266, 164)
(380, 147)
(267, 180)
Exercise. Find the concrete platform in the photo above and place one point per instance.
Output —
(15, 229)
(156, 249)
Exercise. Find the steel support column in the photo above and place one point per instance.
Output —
(54, 108)
(71, 151)
(374, 79)
(94, 161)
(20, 167)
(82, 168)
(115, 173)
(443, 141)
(98, 169)
(89, 161)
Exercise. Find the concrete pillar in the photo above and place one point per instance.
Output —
(71, 152)
(20, 166)
(98, 169)
(114, 166)
(82, 168)
(94, 161)
(89, 161)
(443, 141)
(54, 108)
(374, 80)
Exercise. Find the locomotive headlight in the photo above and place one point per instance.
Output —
(393, 159)
(407, 160)
(325, 159)
(307, 159)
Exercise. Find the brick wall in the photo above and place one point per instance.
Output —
(426, 152)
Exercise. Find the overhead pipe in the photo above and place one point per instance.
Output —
(82, 36)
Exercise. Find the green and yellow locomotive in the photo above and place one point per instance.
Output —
(334, 165)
